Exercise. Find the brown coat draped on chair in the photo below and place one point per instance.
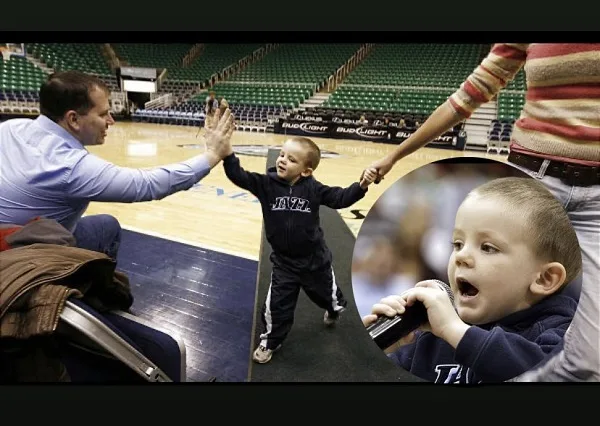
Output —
(36, 279)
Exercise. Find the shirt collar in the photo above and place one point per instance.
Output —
(50, 126)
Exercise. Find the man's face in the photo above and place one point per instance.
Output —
(91, 128)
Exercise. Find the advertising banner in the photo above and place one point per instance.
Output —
(382, 134)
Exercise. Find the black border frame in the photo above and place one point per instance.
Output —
(297, 22)
(270, 394)
(266, 17)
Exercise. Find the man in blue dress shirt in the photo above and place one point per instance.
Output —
(45, 169)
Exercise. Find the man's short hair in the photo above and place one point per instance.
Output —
(66, 91)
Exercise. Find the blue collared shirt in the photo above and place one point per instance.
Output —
(45, 171)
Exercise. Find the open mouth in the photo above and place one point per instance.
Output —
(465, 288)
(280, 169)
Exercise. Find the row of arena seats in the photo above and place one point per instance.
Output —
(18, 74)
(213, 59)
(20, 79)
(19, 102)
(510, 105)
(288, 95)
(247, 117)
(499, 135)
(11, 107)
(86, 57)
(500, 130)
(152, 55)
(178, 89)
(191, 119)
(89, 58)
(180, 80)
(298, 63)
(193, 106)
(421, 65)
(387, 99)
(27, 102)
(166, 116)
(19, 95)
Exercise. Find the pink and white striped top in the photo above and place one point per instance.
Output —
(561, 116)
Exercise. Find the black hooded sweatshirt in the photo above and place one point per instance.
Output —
(291, 213)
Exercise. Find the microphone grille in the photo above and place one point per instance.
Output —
(446, 288)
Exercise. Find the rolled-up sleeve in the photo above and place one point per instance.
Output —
(493, 74)
(95, 179)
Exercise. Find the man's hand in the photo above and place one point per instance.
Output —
(218, 136)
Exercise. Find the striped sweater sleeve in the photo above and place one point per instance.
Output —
(493, 74)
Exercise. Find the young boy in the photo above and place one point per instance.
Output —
(290, 198)
(514, 251)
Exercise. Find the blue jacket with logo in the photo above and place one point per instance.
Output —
(291, 213)
(494, 352)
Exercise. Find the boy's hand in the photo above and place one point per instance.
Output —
(444, 322)
(367, 177)
(389, 306)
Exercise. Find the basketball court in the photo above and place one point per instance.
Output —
(217, 215)
(193, 256)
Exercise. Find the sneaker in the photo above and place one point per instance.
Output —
(330, 319)
(262, 355)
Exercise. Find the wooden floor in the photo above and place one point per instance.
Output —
(217, 215)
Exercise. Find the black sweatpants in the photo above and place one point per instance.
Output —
(278, 309)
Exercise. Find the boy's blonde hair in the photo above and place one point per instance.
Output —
(552, 236)
(313, 152)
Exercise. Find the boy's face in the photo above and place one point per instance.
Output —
(291, 163)
(492, 266)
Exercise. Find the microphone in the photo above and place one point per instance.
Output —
(386, 331)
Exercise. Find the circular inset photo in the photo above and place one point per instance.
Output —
(466, 270)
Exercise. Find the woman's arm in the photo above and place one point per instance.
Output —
(492, 75)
